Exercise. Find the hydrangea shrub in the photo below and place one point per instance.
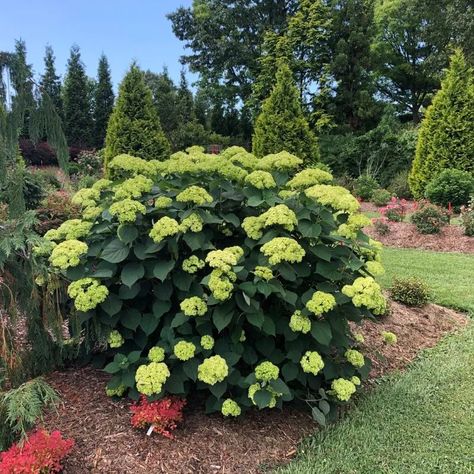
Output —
(228, 275)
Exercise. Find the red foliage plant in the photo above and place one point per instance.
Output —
(396, 209)
(163, 414)
(41, 453)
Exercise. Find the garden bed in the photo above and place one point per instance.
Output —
(106, 442)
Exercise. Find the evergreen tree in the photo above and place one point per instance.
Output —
(134, 126)
(51, 82)
(77, 106)
(446, 137)
(103, 101)
(184, 101)
(281, 125)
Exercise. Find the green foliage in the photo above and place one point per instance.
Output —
(467, 215)
(410, 291)
(33, 189)
(103, 101)
(381, 197)
(281, 124)
(22, 408)
(365, 186)
(429, 219)
(51, 82)
(451, 186)
(399, 185)
(242, 249)
(446, 137)
(77, 102)
(134, 126)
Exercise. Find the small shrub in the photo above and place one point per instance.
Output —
(365, 186)
(399, 186)
(381, 197)
(346, 181)
(89, 163)
(396, 210)
(467, 215)
(55, 209)
(429, 219)
(41, 453)
(34, 189)
(451, 187)
(50, 178)
(389, 337)
(410, 291)
(381, 226)
(163, 414)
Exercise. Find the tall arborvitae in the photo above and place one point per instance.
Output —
(281, 124)
(184, 101)
(103, 101)
(77, 107)
(134, 126)
(446, 137)
(51, 82)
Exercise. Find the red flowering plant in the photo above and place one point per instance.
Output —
(162, 415)
(41, 453)
(396, 209)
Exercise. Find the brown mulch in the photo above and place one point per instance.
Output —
(106, 442)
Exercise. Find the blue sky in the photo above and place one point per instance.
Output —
(124, 30)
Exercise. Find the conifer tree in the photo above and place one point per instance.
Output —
(51, 82)
(77, 106)
(281, 124)
(446, 137)
(184, 101)
(134, 126)
(103, 101)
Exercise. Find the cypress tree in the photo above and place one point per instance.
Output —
(134, 126)
(446, 137)
(77, 106)
(51, 82)
(103, 101)
(281, 124)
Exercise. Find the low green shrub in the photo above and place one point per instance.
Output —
(381, 197)
(34, 189)
(228, 275)
(399, 185)
(451, 186)
(410, 291)
(467, 215)
(381, 226)
(365, 186)
(429, 219)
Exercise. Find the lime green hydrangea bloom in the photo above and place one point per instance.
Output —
(102, 184)
(116, 392)
(287, 194)
(195, 149)
(194, 194)
(127, 210)
(389, 337)
(355, 358)
(67, 254)
(87, 293)
(133, 188)
(358, 337)
(242, 337)
(374, 250)
(156, 354)
(264, 273)
(213, 370)
(224, 259)
(132, 166)
(92, 213)
(150, 378)
(283, 249)
(282, 161)
(115, 339)
(260, 179)
(86, 197)
(40, 280)
(299, 322)
(207, 342)
(253, 389)
(354, 223)
(277, 215)
(321, 302)
(355, 380)
(245, 159)
(252, 227)
(164, 227)
(69, 230)
(339, 198)
(43, 248)
(365, 291)
(221, 284)
(266, 371)
(312, 363)
(230, 408)
(309, 177)
(163, 202)
(192, 264)
(375, 268)
(343, 389)
(193, 222)
(184, 350)
(193, 306)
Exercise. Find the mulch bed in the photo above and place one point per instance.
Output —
(106, 442)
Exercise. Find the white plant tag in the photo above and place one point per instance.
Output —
(150, 430)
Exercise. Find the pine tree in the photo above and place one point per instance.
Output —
(51, 82)
(446, 137)
(184, 101)
(134, 126)
(77, 106)
(103, 101)
(281, 124)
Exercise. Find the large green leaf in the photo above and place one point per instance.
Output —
(127, 233)
(222, 317)
(130, 318)
(321, 331)
(132, 272)
(115, 251)
(112, 304)
(162, 269)
(262, 398)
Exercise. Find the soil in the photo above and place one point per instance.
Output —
(106, 442)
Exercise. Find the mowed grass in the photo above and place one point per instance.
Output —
(418, 422)
(449, 275)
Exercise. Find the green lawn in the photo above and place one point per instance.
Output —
(418, 422)
(449, 275)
